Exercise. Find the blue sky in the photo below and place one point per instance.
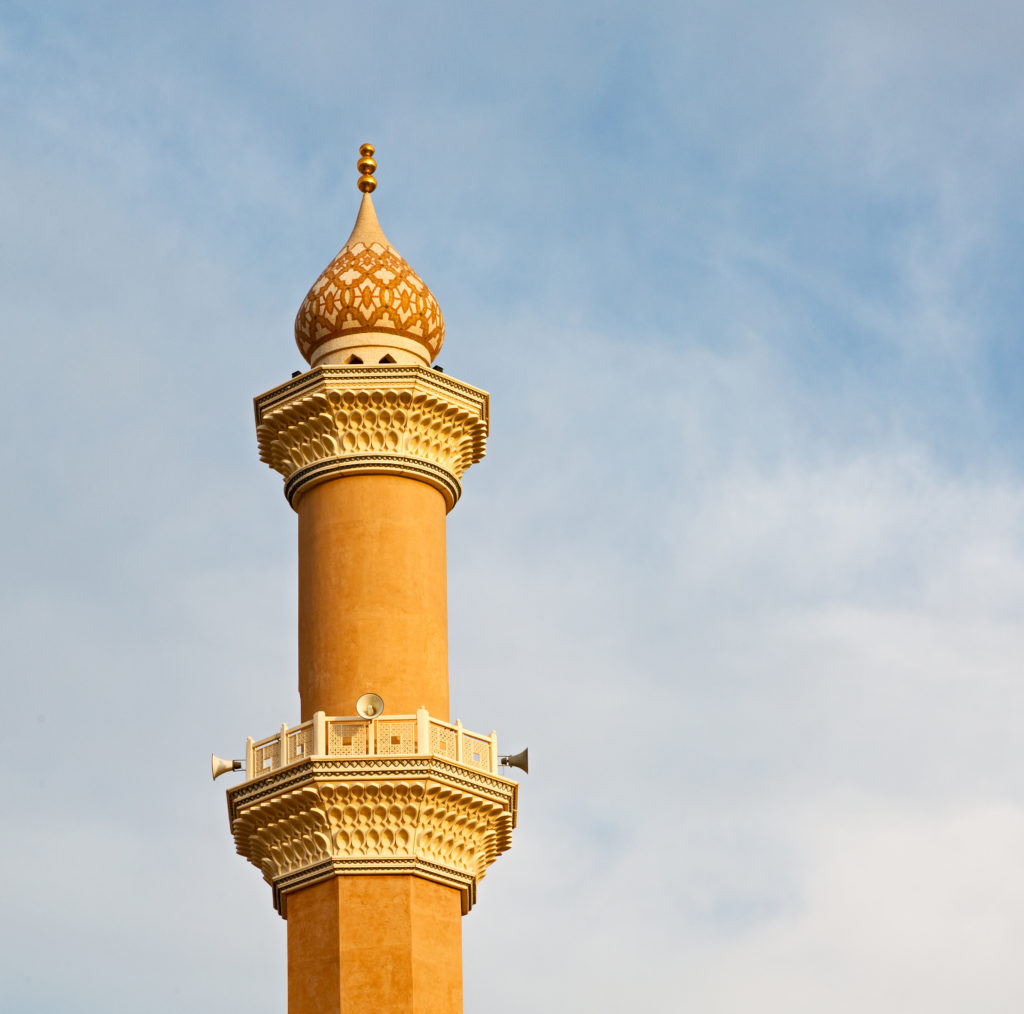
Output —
(744, 565)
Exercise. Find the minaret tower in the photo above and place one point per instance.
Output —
(375, 817)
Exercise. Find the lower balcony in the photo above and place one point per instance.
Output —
(385, 736)
(390, 795)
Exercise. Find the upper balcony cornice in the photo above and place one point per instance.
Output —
(397, 419)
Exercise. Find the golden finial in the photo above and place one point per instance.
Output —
(367, 167)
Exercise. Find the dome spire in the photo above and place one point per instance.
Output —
(368, 305)
(367, 229)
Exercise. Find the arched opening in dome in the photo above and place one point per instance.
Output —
(387, 359)
(353, 361)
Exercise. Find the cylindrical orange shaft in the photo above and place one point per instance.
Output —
(373, 612)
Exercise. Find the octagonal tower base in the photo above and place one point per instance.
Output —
(390, 945)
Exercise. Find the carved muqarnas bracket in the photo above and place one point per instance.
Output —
(405, 420)
(422, 817)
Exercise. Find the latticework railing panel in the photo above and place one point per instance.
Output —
(443, 742)
(347, 739)
(299, 743)
(395, 737)
(476, 752)
(266, 757)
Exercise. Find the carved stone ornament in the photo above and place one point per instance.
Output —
(403, 420)
(326, 817)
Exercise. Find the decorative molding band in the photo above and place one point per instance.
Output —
(497, 789)
(404, 420)
(417, 816)
(367, 377)
(362, 464)
(494, 787)
(377, 865)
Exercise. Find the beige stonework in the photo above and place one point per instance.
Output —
(322, 817)
(402, 420)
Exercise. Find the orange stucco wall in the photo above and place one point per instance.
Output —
(373, 613)
(375, 945)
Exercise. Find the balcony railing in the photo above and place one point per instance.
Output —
(386, 736)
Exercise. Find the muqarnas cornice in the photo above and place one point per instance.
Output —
(343, 420)
(423, 816)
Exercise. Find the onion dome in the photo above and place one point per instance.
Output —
(368, 305)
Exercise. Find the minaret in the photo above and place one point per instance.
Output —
(375, 817)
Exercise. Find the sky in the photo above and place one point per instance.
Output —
(744, 564)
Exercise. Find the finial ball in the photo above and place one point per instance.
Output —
(367, 167)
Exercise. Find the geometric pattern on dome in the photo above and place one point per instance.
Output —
(369, 287)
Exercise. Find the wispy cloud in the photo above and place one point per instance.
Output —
(743, 566)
